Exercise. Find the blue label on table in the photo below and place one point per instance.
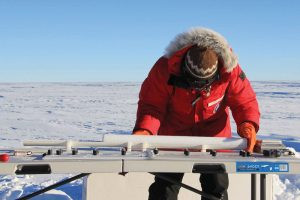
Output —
(262, 167)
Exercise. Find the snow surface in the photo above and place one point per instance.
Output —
(88, 110)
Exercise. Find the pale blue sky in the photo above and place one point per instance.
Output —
(72, 40)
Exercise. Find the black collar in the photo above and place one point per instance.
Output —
(178, 81)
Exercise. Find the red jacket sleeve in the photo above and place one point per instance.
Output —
(153, 98)
(242, 99)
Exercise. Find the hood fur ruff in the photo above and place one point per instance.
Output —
(205, 38)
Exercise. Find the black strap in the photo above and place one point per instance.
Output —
(53, 186)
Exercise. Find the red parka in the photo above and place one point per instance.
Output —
(165, 109)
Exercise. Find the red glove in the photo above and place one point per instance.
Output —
(247, 130)
(141, 132)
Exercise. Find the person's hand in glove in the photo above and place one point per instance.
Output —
(141, 132)
(247, 130)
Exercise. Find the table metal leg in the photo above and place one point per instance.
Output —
(253, 186)
(263, 187)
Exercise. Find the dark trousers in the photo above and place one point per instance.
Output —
(214, 184)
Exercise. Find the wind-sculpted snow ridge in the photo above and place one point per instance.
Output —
(13, 187)
(83, 111)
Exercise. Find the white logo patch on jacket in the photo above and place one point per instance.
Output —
(216, 103)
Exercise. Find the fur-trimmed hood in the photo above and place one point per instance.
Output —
(206, 38)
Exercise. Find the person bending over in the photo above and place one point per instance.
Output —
(189, 92)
